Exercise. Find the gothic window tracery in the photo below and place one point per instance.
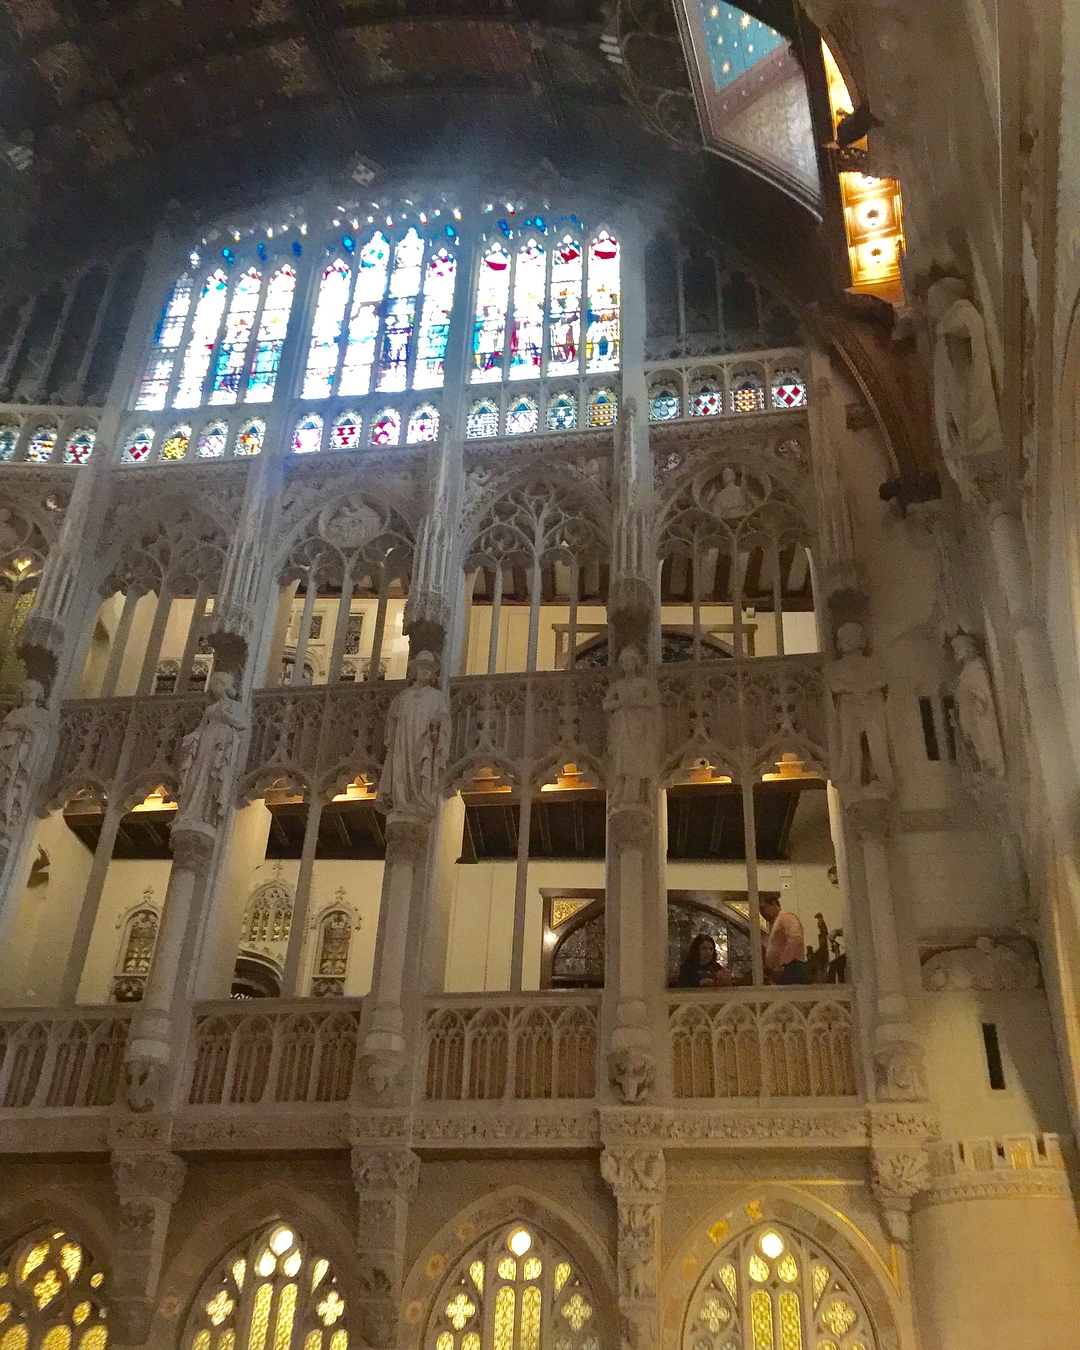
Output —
(136, 955)
(42, 444)
(332, 959)
(80, 446)
(51, 1295)
(273, 1291)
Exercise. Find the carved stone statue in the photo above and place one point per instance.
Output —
(731, 501)
(858, 687)
(23, 733)
(634, 704)
(965, 404)
(208, 754)
(975, 709)
(417, 745)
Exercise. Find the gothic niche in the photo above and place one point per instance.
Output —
(264, 942)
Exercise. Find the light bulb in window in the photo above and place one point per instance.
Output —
(519, 1242)
(772, 1244)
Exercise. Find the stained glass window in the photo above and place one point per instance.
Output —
(136, 954)
(9, 439)
(483, 419)
(527, 327)
(522, 416)
(51, 1295)
(788, 390)
(308, 434)
(270, 1294)
(515, 1291)
(80, 446)
(332, 962)
(603, 408)
(232, 354)
(364, 319)
(435, 320)
(249, 438)
(138, 445)
(42, 444)
(492, 297)
(401, 311)
(154, 389)
(664, 404)
(204, 330)
(747, 393)
(386, 428)
(602, 330)
(564, 307)
(771, 1289)
(562, 412)
(273, 325)
(346, 432)
(212, 441)
(326, 330)
(707, 399)
(423, 424)
(175, 443)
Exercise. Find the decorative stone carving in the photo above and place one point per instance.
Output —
(636, 1175)
(632, 1073)
(148, 1183)
(25, 734)
(630, 827)
(975, 712)
(144, 1085)
(418, 746)
(146, 1176)
(209, 755)
(633, 703)
(385, 1169)
(634, 1169)
(898, 1069)
(988, 967)
(858, 686)
(385, 1179)
(899, 1175)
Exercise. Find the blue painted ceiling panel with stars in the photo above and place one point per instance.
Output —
(735, 40)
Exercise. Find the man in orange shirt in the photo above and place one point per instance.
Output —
(785, 951)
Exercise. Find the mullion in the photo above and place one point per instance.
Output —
(418, 312)
(253, 337)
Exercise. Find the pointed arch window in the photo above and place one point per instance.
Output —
(771, 1289)
(157, 376)
(492, 297)
(435, 320)
(483, 419)
(332, 962)
(136, 955)
(527, 322)
(404, 291)
(270, 1292)
(602, 330)
(747, 394)
(423, 425)
(212, 441)
(346, 432)
(175, 443)
(664, 404)
(42, 444)
(204, 330)
(364, 320)
(564, 307)
(51, 1295)
(603, 408)
(232, 354)
(788, 390)
(562, 412)
(516, 1291)
(80, 446)
(273, 325)
(386, 428)
(9, 439)
(307, 437)
(138, 445)
(522, 417)
(249, 438)
(269, 915)
(707, 400)
(326, 330)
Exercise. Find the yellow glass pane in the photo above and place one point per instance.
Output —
(81, 1313)
(5, 1311)
(260, 1317)
(239, 1272)
(838, 1317)
(821, 1279)
(292, 1263)
(339, 1340)
(313, 1340)
(71, 1259)
(282, 1240)
(227, 1340)
(790, 1321)
(788, 1269)
(318, 1271)
(3, 1278)
(856, 1345)
(530, 1318)
(508, 1268)
(445, 1341)
(97, 1280)
(285, 1313)
(713, 1314)
(761, 1320)
(533, 1268)
(14, 1338)
(219, 1307)
(201, 1341)
(266, 1263)
(825, 1345)
(331, 1308)
(470, 1342)
(460, 1309)
(34, 1258)
(730, 1280)
(175, 447)
(576, 1311)
(562, 1274)
(94, 1338)
(47, 1288)
(759, 1269)
(56, 1338)
(519, 1241)
(772, 1244)
(476, 1271)
(504, 1319)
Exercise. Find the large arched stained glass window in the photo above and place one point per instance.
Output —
(51, 1295)
(170, 330)
(272, 1292)
(771, 1289)
(232, 353)
(273, 326)
(200, 347)
(515, 1291)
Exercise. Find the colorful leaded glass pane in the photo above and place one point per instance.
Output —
(232, 354)
(603, 408)
(204, 331)
(346, 432)
(788, 390)
(602, 328)
(564, 307)
(307, 437)
(273, 325)
(435, 320)
(522, 417)
(492, 297)
(212, 441)
(386, 428)
(761, 1320)
(9, 438)
(138, 445)
(483, 419)
(326, 330)
(747, 394)
(249, 439)
(401, 301)
(42, 444)
(80, 446)
(562, 412)
(154, 388)
(708, 400)
(527, 322)
(664, 405)
(176, 443)
(423, 425)
(364, 318)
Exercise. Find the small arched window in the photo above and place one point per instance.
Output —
(232, 351)
(332, 960)
(603, 408)
(307, 437)
(80, 446)
(9, 439)
(138, 445)
(483, 419)
(269, 915)
(272, 328)
(492, 298)
(42, 444)
(175, 443)
(747, 393)
(663, 403)
(562, 412)
(788, 390)
(346, 432)
(517, 1291)
(212, 441)
(522, 416)
(270, 1292)
(423, 425)
(386, 428)
(249, 438)
(707, 399)
(51, 1295)
(159, 365)
(326, 329)
(204, 329)
(136, 955)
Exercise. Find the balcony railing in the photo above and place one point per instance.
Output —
(61, 1060)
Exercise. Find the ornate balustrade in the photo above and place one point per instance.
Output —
(297, 1052)
(61, 1060)
(755, 1043)
(489, 1047)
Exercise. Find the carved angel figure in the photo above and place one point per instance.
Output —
(22, 732)
(417, 745)
(858, 687)
(965, 404)
(207, 758)
(634, 704)
(975, 708)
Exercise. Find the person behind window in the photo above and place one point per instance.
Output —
(700, 967)
(784, 959)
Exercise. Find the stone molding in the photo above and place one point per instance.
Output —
(986, 1168)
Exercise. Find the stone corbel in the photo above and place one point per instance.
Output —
(147, 1184)
(385, 1179)
(636, 1174)
(899, 1174)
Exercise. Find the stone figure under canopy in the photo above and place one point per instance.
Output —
(208, 755)
(858, 686)
(417, 745)
(634, 704)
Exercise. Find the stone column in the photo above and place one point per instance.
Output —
(636, 1175)
(148, 1184)
(385, 1179)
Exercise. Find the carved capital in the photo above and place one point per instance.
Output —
(406, 839)
(634, 1171)
(899, 1175)
(149, 1176)
(192, 849)
(145, 1085)
(632, 1073)
(630, 827)
(385, 1169)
